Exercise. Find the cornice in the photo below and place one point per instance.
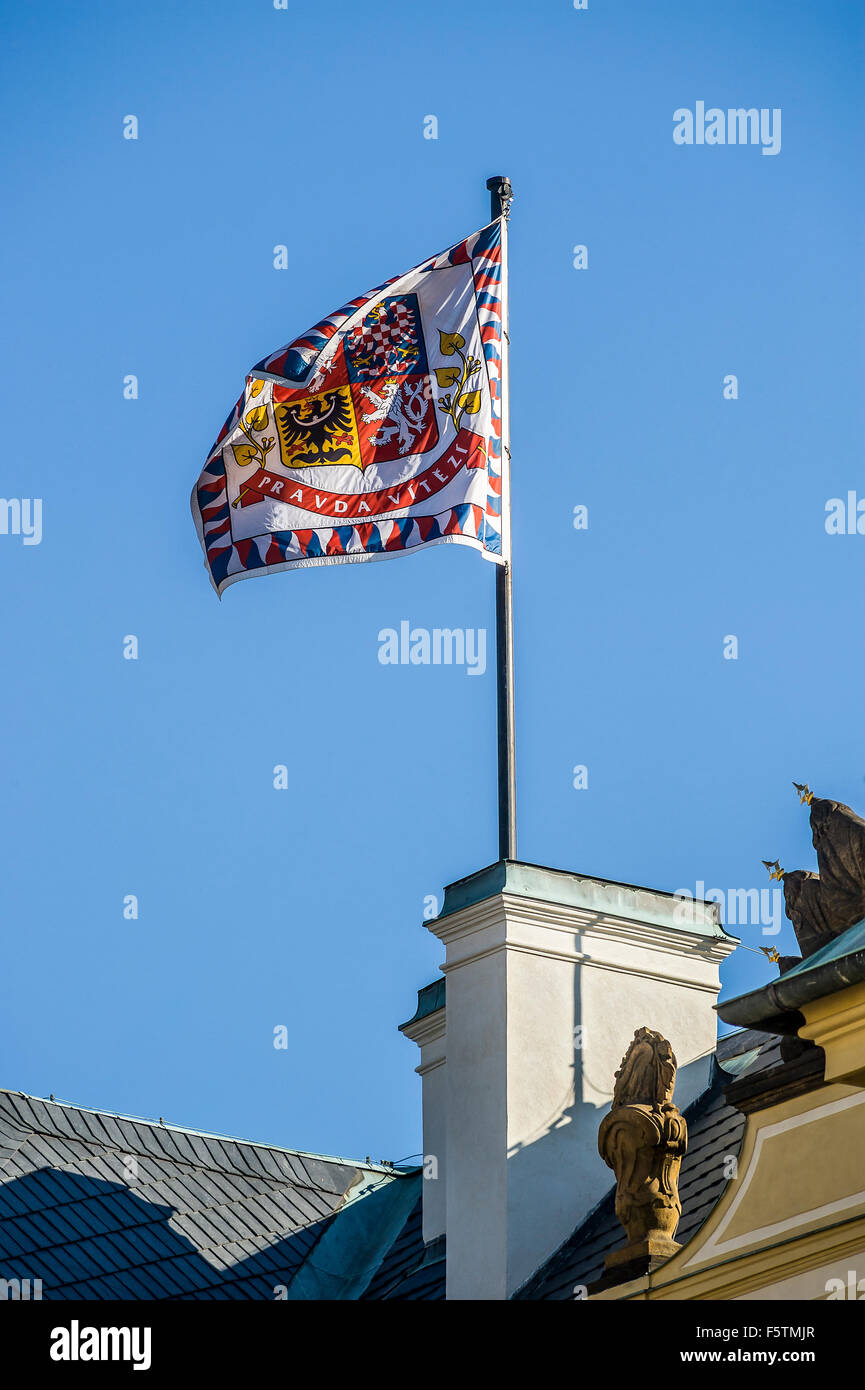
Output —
(426, 1030)
(506, 920)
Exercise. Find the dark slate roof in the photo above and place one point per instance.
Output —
(102, 1206)
(715, 1130)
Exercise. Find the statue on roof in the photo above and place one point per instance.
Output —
(643, 1139)
(823, 905)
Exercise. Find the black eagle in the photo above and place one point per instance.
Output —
(316, 430)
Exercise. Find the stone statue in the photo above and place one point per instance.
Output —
(643, 1140)
(803, 904)
(823, 905)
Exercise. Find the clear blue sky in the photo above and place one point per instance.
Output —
(305, 127)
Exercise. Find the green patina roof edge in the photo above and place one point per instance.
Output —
(847, 944)
(356, 1238)
(429, 1000)
(561, 886)
(836, 966)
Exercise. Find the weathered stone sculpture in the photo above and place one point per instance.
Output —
(822, 906)
(643, 1140)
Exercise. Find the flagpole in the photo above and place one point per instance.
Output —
(501, 194)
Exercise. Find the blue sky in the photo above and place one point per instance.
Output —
(154, 777)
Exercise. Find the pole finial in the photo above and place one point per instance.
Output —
(501, 196)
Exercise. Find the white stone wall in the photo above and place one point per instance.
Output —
(523, 1096)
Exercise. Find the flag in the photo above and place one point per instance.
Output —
(376, 433)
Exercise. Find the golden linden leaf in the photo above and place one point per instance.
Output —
(257, 419)
(245, 454)
(470, 402)
(256, 388)
(446, 376)
(449, 342)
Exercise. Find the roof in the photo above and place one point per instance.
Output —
(411, 1270)
(99, 1206)
(715, 1130)
(850, 943)
(835, 966)
(429, 1000)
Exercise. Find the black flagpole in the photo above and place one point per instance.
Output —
(501, 194)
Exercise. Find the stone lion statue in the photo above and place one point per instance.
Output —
(647, 1075)
(643, 1139)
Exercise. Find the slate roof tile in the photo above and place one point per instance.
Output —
(202, 1217)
